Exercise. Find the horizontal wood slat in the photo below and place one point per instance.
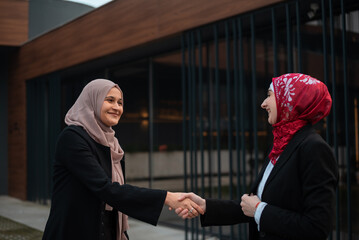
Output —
(115, 27)
(121, 25)
(14, 16)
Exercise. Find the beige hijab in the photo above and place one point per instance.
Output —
(86, 113)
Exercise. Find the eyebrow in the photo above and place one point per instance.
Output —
(112, 97)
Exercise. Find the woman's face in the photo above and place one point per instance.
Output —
(270, 105)
(112, 107)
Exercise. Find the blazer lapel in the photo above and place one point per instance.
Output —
(284, 157)
(259, 177)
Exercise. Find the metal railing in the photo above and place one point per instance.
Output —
(227, 67)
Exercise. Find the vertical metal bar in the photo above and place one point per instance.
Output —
(236, 102)
(275, 44)
(241, 103)
(45, 128)
(210, 118)
(299, 43)
(200, 106)
(189, 75)
(347, 143)
(39, 123)
(332, 47)
(236, 111)
(325, 59)
(254, 93)
(184, 117)
(54, 123)
(194, 119)
(218, 123)
(325, 70)
(325, 54)
(210, 121)
(150, 110)
(194, 125)
(30, 100)
(229, 115)
(289, 39)
(190, 113)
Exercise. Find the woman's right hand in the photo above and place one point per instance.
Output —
(176, 201)
(183, 212)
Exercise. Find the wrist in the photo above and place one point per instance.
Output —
(204, 204)
(168, 198)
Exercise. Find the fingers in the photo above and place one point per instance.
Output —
(198, 208)
(188, 209)
(179, 210)
(248, 204)
(184, 196)
(183, 213)
(188, 205)
(191, 206)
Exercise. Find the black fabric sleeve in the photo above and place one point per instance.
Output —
(78, 157)
(223, 212)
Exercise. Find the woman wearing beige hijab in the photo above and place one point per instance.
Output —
(90, 199)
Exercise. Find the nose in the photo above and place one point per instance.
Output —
(264, 104)
(116, 106)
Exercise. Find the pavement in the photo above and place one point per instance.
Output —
(35, 216)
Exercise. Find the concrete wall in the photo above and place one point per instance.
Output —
(168, 168)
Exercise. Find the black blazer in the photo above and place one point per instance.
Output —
(82, 187)
(300, 193)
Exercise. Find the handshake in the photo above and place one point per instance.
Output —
(190, 205)
(186, 205)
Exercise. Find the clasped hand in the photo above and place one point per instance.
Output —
(190, 205)
(185, 206)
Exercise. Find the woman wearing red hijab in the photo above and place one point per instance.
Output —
(294, 195)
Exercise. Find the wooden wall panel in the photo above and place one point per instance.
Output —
(121, 25)
(17, 167)
(13, 22)
(117, 26)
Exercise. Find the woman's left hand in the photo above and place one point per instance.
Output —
(249, 204)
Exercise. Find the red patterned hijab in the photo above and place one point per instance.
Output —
(300, 100)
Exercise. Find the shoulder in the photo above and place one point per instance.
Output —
(314, 141)
(73, 131)
(74, 135)
(316, 152)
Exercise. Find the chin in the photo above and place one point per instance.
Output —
(114, 124)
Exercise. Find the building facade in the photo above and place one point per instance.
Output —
(193, 75)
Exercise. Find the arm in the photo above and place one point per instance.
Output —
(216, 212)
(77, 165)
